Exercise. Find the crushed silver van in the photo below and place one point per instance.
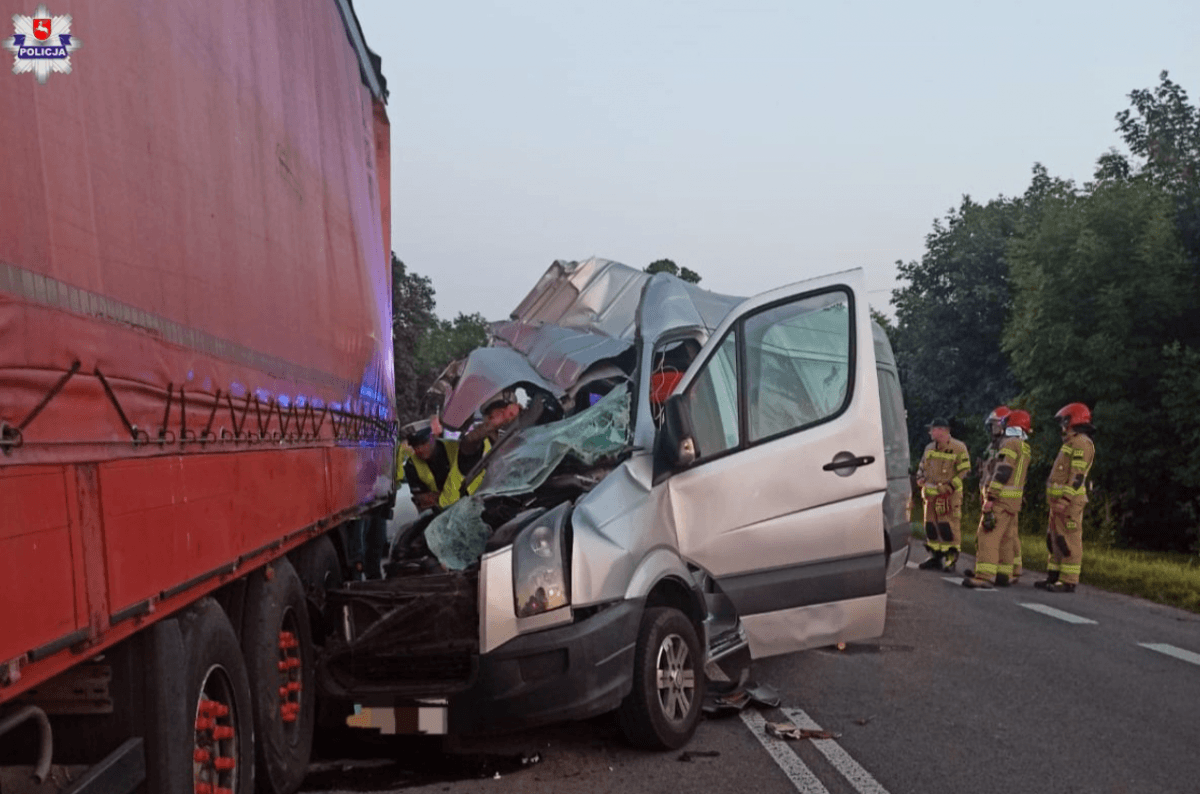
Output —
(691, 473)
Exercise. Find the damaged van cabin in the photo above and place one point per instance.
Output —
(689, 474)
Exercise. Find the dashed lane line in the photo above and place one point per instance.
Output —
(1171, 650)
(860, 778)
(791, 764)
(1057, 613)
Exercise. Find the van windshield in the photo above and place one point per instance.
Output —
(522, 464)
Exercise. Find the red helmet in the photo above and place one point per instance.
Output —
(997, 415)
(1019, 419)
(1073, 414)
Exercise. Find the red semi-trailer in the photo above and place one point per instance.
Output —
(196, 383)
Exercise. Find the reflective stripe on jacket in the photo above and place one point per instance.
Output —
(1014, 456)
(1068, 477)
(942, 466)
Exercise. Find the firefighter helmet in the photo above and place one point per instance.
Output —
(1019, 419)
(1073, 414)
(996, 415)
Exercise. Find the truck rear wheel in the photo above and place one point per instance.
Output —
(218, 695)
(319, 569)
(662, 710)
(277, 645)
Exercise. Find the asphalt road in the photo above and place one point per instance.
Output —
(1009, 690)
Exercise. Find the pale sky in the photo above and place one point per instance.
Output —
(758, 142)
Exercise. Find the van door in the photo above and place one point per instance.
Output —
(783, 503)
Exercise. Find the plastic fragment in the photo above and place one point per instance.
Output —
(788, 732)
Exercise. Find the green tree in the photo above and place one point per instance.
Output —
(412, 315)
(1162, 131)
(1181, 400)
(445, 341)
(1097, 278)
(668, 266)
(949, 320)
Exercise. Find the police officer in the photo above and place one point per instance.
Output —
(435, 470)
(940, 478)
(1001, 506)
(1066, 493)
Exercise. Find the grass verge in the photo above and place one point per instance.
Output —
(1161, 577)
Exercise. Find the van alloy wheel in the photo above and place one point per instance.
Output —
(676, 679)
(662, 709)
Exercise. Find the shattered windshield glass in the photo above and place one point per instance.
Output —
(458, 536)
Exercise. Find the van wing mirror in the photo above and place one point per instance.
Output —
(675, 445)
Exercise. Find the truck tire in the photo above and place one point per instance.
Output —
(218, 702)
(277, 645)
(320, 570)
(662, 710)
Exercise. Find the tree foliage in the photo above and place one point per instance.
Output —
(1097, 281)
(423, 343)
(949, 320)
(447, 340)
(668, 266)
(1085, 294)
(412, 316)
(1162, 132)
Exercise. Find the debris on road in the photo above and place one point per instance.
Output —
(738, 696)
(687, 755)
(787, 731)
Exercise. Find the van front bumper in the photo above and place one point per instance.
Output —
(570, 672)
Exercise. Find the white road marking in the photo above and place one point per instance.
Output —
(911, 564)
(791, 764)
(860, 778)
(1057, 613)
(1171, 650)
(958, 580)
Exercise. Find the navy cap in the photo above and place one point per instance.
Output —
(940, 421)
(419, 436)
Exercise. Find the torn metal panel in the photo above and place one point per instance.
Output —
(485, 373)
(596, 294)
(605, 296)
(561, 355)
(669, 304)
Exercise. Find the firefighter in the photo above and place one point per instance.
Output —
(1066, 493)
(940, 478)
(994, 563)
(994, 423)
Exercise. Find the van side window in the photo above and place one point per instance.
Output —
(895, 430)
(713, 398)
(798, 363)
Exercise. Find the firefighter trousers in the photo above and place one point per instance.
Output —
(1065, 542)
(994, 548)
(943, 522)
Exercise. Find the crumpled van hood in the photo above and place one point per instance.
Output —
(578, 315)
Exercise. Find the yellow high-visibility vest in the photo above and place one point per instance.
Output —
(452, 490)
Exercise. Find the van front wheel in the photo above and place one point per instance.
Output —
(662, 710)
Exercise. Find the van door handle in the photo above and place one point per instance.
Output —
(844, 463)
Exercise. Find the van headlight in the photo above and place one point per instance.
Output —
(540, 564)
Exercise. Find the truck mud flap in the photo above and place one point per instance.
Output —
(415, 636)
